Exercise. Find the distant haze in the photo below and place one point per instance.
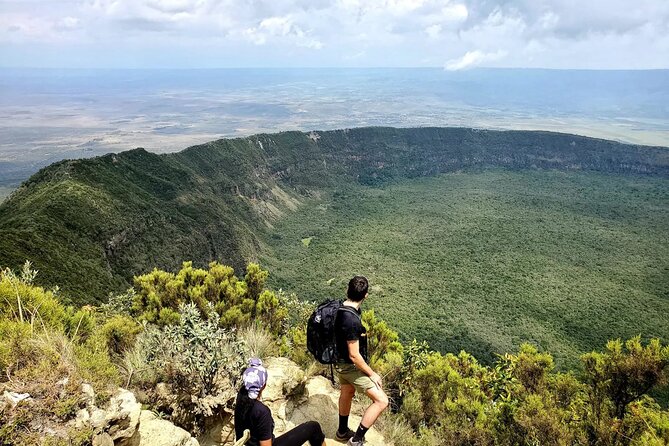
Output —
(48, 115)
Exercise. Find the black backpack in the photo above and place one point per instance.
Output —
(321, 340)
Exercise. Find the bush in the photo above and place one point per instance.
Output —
(47, 351)
(258, 341)
(118, 334)
(20, 300)
(160, 294)
(200, 362)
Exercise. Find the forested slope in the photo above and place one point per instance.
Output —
(90, 225)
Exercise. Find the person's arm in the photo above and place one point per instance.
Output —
(357, 359)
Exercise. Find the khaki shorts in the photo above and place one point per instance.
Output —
(350, 374)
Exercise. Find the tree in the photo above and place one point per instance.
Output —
(617, 380)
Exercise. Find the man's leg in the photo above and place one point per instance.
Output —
(379, 404)
(345, 400)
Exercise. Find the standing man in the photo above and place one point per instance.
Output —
(352, 369)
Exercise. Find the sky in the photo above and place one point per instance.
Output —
(453, 34)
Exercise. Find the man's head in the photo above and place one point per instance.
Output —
(357, 288)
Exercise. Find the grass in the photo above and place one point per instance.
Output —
(483, 261)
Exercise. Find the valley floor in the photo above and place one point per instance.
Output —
(484, 261)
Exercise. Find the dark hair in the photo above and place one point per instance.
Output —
(243, 404)
(357, 288)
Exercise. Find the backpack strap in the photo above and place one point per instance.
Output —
(350, 310)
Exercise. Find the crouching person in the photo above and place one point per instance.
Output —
(252, 414)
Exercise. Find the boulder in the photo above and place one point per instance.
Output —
(121, 417)
(83, 419)
(320, 403)
(103, 439)
(153, 431)
(285, 379)
(88, 394)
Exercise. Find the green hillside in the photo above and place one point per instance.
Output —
(90, 225)
(483, 261)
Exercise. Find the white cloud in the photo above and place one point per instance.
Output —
(473, 59)
(456, 12)
(433, 31)
(388, 32)
(402, 7)
(280, 27)
(68, 23)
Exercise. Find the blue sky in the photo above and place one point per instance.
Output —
(454, 34)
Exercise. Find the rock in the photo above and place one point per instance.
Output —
(13, 398)
(217, 430)
(83, 419)
(89, 395)
(121, 417)
(103, 439)
(153, 431)
(320, 403)
(285, 378)
(98, 419)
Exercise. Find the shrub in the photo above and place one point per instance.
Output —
(47, 351)
(259, 342)
(160, 294)
(200, 361)
(22, 301)
(118, 334)
(294, 337)
(14, 344)
(618, 380)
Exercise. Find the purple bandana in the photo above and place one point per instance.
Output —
(255, 377)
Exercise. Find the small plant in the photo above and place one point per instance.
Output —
(259, 342)
(119, 304)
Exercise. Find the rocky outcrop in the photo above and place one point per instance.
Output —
(153, 431)
(123, 423)
(292, 397)
(295, 399)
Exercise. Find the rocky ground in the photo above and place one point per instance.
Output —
(293, 398)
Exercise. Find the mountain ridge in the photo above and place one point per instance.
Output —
(91, 224)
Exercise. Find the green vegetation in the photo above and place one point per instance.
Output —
(485, 261)
(89, 226)
(47, 351)
(453, 400)
(438, 399)
(553, 239)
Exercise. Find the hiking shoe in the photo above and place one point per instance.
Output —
(344, 436)
(352, 442)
